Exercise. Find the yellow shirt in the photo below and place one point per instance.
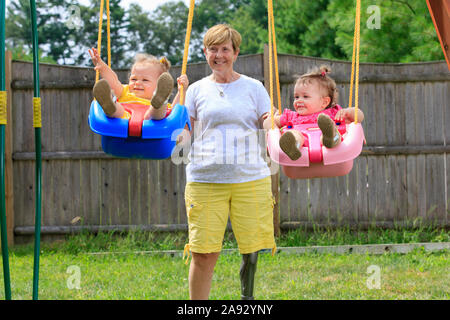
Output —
(129, 97)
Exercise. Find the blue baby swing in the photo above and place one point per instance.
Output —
(135, 137)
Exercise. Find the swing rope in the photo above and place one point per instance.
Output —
(354, 81)
(273, 58)
(99, 37)
(186, 46)
(355, 60)
(186, 41)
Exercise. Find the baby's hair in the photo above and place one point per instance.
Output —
(144, 58)
(326, 84)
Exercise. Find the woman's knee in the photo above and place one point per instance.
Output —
(205, 259)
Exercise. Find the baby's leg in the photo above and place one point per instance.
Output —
(330, 134)
(104, 96)
(163, 89)
(291, 142)
(156, 114)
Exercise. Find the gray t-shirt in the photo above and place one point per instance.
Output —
(227, 144)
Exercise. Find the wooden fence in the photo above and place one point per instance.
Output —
(402, 175)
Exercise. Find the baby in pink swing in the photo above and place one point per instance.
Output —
(315, 101)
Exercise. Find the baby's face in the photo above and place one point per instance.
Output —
(143, 80)
(309, 99)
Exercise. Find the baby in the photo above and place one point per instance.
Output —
(149, 84)
(315, 101)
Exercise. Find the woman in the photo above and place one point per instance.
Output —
(227, 174)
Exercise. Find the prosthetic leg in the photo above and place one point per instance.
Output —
(247, 273)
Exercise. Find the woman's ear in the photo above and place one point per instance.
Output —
(236, 52)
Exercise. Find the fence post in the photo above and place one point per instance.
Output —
(275, 177)
(9, 187)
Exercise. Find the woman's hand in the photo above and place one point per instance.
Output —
(267, 120)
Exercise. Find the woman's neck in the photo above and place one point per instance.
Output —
(224, 77)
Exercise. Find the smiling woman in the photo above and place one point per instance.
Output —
(239, 187)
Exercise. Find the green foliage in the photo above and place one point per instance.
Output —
(21, 53)
(54, 36)
(322, 28)
(86, 37)
(406, 31)
(162, 33)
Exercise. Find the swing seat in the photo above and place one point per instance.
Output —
(135, 137)
(317, 161)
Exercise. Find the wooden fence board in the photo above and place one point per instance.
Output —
(435, 179)
(445, 98)
(362, 189)
(422, 192)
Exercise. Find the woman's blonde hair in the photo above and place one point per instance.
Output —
(221, 33)
(326, 84)
(148, 59)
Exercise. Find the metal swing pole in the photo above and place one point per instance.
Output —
(37, 137)
(3, 117)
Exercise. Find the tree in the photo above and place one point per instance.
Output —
(406, 31)
(321, 28)
(86, 37)
(161, 33)
(53, 34)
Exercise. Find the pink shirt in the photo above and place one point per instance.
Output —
(292, 118)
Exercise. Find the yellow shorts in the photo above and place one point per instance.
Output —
(249, 206)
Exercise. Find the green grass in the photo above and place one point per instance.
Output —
(131, 275)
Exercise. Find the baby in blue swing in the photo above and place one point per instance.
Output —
(150, 84)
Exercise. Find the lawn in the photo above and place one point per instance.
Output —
(70, 271)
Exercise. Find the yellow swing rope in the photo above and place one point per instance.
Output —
(186, 42)
(355, 60)
(108, 32)
(273, 57)
(186, 46)
(99, 37)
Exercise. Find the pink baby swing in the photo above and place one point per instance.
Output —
(317, 161)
